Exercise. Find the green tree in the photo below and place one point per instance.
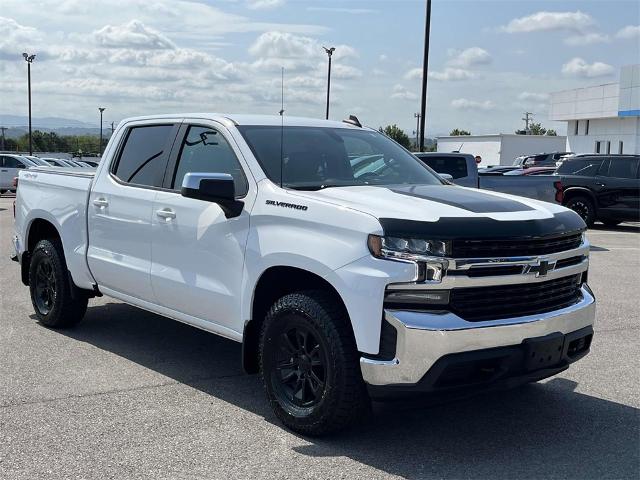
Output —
(396, 133)
(456, 132)
(537, 129)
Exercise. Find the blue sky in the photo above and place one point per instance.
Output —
(489, 62)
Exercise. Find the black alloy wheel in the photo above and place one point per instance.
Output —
(45, 287)
(301, 366)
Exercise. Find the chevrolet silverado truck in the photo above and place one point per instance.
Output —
(348, 269)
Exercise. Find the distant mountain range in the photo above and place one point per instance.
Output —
(18, 125)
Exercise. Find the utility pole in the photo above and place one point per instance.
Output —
(3, 129)
(425, 70)
(330, 53)
(102, 109)
(29, 59)
(527, 118)
(417, 132)
(112, 128)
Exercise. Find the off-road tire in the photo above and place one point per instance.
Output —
(344, 399)
(57, 302)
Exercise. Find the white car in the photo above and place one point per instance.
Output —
(10, 165)
(342, 283)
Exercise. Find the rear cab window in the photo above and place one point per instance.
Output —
(456, 166)
(143, 156)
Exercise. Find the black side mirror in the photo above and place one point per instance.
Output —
(213, 187)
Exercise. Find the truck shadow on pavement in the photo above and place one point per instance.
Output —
(538, 431)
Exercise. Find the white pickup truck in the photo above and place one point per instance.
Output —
(347, 268)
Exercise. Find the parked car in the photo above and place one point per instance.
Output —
(497, 169)
(463, 169)
(36, 161)
(540, 159)
(342, 282)
(57, 162)
(9, 166)
(91, 163)
(603, 188)
(532, 171)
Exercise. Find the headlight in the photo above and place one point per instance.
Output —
(426, 253)
(406, 248)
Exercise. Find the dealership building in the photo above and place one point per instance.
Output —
(603, 118)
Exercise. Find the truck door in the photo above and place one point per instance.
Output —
(120, 210)
(198, 253)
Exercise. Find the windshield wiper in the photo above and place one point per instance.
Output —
(313, 188)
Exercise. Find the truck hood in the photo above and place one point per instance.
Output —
(427, 204)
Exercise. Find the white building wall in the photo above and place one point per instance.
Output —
(501, 149)
(612, 130)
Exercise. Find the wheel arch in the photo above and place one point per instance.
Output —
(38, 229)
(272, 284)
(572, 192)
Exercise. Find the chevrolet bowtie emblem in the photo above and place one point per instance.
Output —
(544, 267)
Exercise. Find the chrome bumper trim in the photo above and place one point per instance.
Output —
(425, 337)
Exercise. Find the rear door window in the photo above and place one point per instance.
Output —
(452, 165)
(143, 157)
(625, 167)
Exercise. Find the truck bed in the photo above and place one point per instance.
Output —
(59, 195)
(539, 187)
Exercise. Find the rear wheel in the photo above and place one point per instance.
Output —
(310, 365)
(583, 206)
(57, 302)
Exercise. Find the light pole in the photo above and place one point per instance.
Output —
(29, 59)
(102, 109)
(425, 69)
(329, 53)
(417, 117)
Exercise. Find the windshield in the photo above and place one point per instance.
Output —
(320, 157)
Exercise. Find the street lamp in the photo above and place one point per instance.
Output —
(329, 53)
(425, 74)
(102, 109)
(29, 59)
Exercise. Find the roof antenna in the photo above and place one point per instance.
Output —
(281, 126)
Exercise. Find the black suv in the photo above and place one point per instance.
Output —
(602, 187)
(540, 159)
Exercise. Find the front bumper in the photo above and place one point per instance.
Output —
(424, 338)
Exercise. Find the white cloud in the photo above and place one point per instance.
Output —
(470, 56)
(402, 93)
(344, 72)
(629, 32)
(351, 11)
(383, 57)
(586, 39)
(284, 45)
(547, 21)
(465, 104)
(16, 38)
(577, 67)
(264, 4)
(446, 75)
(133, 34)
(532, 96)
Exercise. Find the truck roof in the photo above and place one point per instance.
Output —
(246, 119)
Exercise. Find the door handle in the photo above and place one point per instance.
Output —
(4, 170)
(101, 202)
(166, 213)
(599, 184)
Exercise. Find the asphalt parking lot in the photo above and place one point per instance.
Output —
(128, 394)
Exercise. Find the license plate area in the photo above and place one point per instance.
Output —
(543, 352)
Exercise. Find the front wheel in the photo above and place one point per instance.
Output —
(310, 364)
(57, 302)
